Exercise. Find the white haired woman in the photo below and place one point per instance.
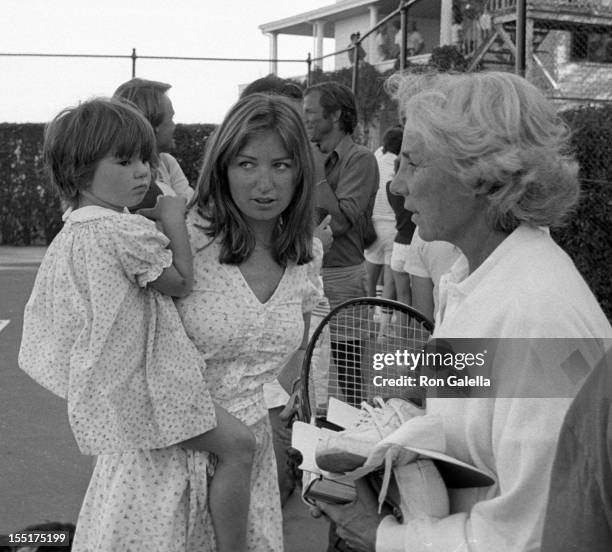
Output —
(485, 166)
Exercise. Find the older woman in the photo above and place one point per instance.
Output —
(485, 166)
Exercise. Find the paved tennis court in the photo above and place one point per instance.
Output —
(43, 476)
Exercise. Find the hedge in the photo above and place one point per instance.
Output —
(30, 211)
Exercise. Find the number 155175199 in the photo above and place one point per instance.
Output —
(40, 538)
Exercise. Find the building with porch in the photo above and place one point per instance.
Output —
(568, 46)
(345, 17)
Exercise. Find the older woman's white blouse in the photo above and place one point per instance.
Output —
(528, 288)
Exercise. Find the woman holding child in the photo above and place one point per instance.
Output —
(102, 331)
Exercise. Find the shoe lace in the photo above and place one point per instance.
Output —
(382, 495)
(381, 416)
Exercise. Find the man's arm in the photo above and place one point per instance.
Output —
(356, 185)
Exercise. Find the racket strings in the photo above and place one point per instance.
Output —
(370, 344)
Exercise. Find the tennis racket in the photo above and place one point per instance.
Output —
(358, 352)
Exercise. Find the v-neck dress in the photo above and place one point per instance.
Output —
(157, 500)
(245, 343)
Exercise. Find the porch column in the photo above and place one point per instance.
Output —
(372, 53)
(446, 22)
(273, 37)
(318, 31)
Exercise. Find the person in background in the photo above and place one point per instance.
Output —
(485, 165)
(347, 194)
(426, 263)
(579, 512)
(384, 42)
(405, 230)
(378, 255)
(414, 40)
(361, 54)
(151, 97)
(274, 85)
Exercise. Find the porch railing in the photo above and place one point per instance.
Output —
(500, 5)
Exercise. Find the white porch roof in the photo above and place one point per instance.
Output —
(302, 24)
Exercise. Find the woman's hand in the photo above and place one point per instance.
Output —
(357, 522)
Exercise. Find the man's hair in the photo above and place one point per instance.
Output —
(78, 138)
(248, 119)
(274, 85)
(147, 96)
(334, 97)
(392, 140)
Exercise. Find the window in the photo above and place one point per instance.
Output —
(592, 45)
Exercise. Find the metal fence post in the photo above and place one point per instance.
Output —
(521, 34)
(403, 36)
(309, 70)
(133, 62)
(355, 68)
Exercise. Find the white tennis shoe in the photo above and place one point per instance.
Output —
(347, 450)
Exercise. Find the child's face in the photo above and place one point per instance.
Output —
(120, 182)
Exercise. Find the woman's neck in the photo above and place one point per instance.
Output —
(478, 246)
(263, 232)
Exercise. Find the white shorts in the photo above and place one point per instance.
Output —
(399, 256)
(380, 251)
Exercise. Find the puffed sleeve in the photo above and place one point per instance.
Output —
(116, 351)
(140, 248)
(314, 286)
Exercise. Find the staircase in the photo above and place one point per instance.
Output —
(495, 48)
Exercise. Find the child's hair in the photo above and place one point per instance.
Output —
(78, 138)
(249, 118)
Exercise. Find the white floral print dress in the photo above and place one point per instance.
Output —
(245, 343)
(96, 335)
(156, 500)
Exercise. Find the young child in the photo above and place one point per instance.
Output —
(102, 331)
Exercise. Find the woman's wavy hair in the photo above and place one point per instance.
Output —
(250, 117)
(497, 132)
(79, 137)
